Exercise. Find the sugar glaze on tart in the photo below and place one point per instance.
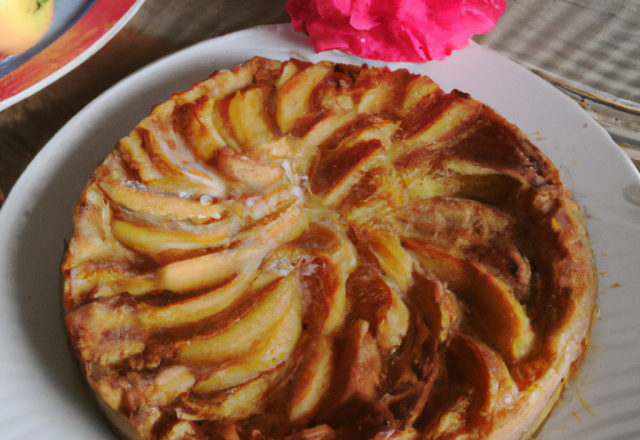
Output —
(326, 251)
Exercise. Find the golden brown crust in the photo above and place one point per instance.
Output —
(290, 250)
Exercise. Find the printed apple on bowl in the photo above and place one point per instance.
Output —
(22, 24)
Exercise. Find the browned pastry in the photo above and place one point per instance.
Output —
(326, 251)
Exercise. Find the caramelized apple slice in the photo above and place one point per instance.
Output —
(371, 298)
(171, 157)
(192, 183)
(485, 373)
(307, 146)
(199, 307)
(242, 336)
(319, 432)
(287, 70)
(160, 243)
(92, 329)
(452, 113)
(392, 257)
(239, 402)
(360, 364)
(447, 220)
(197, 273)
(375, 99)
(193, 121)
(167, 244)
(292, 98)
(469, 230)
(379, 91)
(312, 381)
(101, 318)
(181, 276)
(440, 308)
(249, 118)
(134, 153)
(285, 227)
(495, 312)
(258, 207)
(340, 169)
(274, 348)
(249, 172)
(420, 88)
(224, 82)
(141, 200)
(326, 258)
(168, 384)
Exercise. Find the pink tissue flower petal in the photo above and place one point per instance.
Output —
(394, 30)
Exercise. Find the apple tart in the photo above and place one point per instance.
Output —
(323, 251)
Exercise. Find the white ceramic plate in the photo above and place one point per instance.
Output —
(42, 392)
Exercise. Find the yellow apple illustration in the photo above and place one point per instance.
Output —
(23, 23)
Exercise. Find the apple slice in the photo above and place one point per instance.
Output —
(312, 380)
(292, 98)
(166, 150)
(163, 162)
(168, 384)
(132, 150)
(379, 91)
(100, 318)
(420, 89)
(391, 256)
(242, 336)
(237, 403)
(318, 432)
(494, 310)
(96, 342)
(287, 70)
(470, 230)
(248, 116)
(484, 371)
(375, 99)
(103, 281)
(93, 246)
(440, 308)
(224, 82)
(194, 122)
(198, 273)
(167, 206)
(307, 147)
(258, 207)
(492, 143)
(338, 170)
(327, 257)
(166, 244)
(249, 172)
(192, 183)
(360, 365)
(372, 299)
(285, 227)
(274, 348)
(447, 116)
(200, 307)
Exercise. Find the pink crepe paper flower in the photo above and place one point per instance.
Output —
(394, 30)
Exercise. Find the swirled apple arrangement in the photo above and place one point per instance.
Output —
(327, 251)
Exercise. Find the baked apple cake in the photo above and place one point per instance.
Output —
(323, 251)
